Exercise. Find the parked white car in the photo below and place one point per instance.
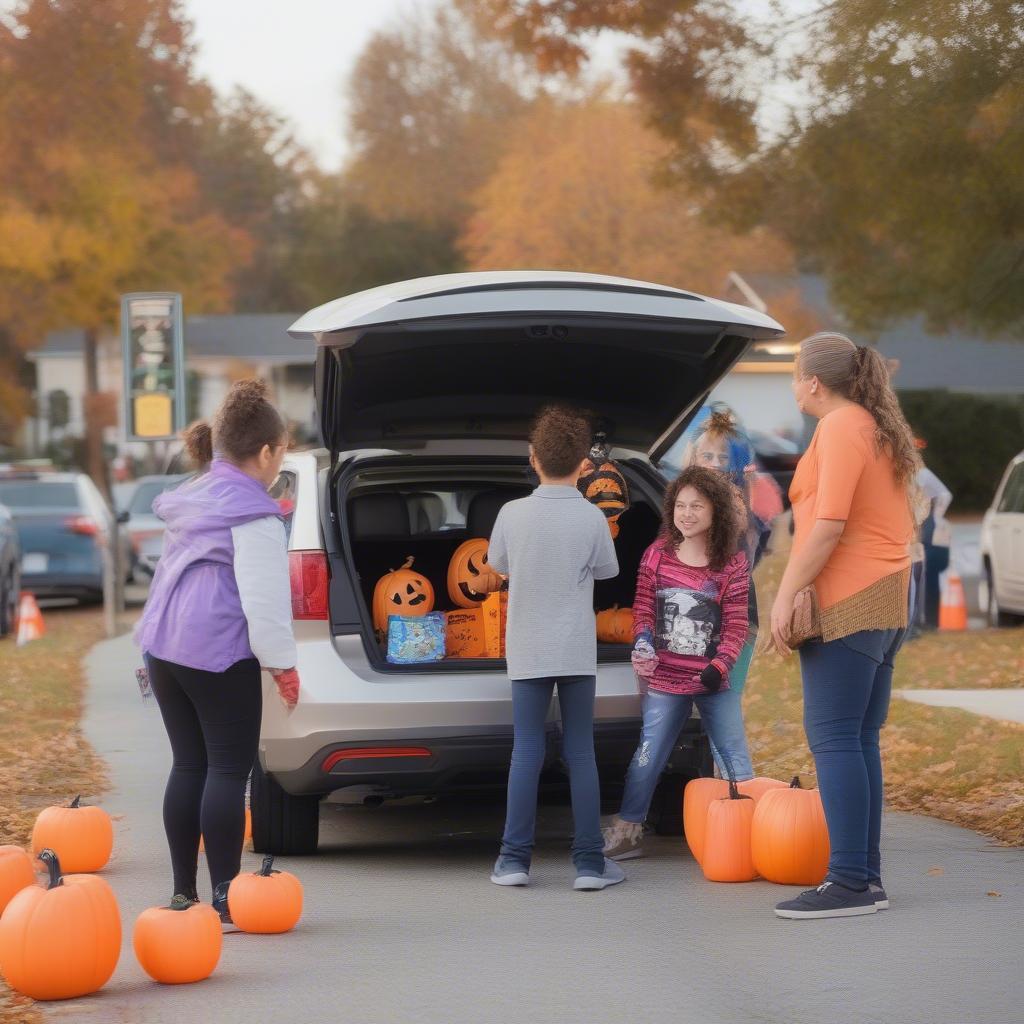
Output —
(424, 391)
(1002, 549)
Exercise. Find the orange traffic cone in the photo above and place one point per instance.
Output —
(953, 606)
(30, 619)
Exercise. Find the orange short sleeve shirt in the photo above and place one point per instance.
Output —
(843, 476)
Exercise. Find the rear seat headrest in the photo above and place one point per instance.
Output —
(484, 508)
(378, 515)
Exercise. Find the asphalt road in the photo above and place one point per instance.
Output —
(402, 925)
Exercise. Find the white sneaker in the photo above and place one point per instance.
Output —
(611, 875)
(507, 872)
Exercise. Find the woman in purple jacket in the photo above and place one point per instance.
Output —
(219, 609)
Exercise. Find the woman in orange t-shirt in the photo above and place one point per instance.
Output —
(852, 533)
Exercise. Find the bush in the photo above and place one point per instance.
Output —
(970, 439)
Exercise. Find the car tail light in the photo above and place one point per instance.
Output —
(371, 753)
(309, 578)
(82, 525)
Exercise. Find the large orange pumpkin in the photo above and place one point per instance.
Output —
(727, 855)
(697, 798)
(267, 901)
(470, 578)
(82, 837)
(16, 872)
(401, 592)
(601, 482)
(789, 837)
(615, 625)
(178, 946)
(61, 940)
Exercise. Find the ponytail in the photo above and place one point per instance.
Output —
(198, 438)
(859, 373)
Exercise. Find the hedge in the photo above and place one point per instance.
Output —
(970, 439)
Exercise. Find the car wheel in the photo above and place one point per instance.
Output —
(282, 824)
(6, 613)
(997, 618)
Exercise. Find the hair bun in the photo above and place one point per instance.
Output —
(198, 439)
(246, 396)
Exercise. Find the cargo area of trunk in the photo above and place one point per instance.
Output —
(391, 509)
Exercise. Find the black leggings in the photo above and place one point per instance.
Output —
(213, 722)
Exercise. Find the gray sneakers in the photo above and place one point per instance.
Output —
(508, 872)
(611, 875)
(623, 840)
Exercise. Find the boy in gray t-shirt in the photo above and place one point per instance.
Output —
(553, 545)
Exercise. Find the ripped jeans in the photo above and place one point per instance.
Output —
(664, 717)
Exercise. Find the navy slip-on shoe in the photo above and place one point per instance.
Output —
(830, 899)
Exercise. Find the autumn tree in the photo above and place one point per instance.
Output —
(574, 191)
(430, 102)
(897, 169)
(96, 107)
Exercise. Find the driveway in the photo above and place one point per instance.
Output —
(401, 925)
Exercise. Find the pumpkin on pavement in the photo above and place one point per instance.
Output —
(266, 901)
(727, 855)
(789, 836)
(16, 872)
(178, 945)
(82, 837)
(61, 940)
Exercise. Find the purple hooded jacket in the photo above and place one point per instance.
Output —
(194, 616)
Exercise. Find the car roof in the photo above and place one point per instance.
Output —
(519, 291)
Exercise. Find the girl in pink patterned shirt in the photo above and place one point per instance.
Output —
(690, 623)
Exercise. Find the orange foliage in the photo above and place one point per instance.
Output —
(574, 191)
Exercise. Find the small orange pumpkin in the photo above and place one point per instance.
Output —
(727, 855)
(697, 798)
(470, 578)
(789, 836)
(16, 872)
(615, 625)
(61, 940)
(178, 946)
(82, 837)
(266, 901)
(401, 592)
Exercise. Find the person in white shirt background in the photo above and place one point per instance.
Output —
(936, 536)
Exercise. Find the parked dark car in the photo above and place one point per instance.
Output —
(63, 523)
(10, 572)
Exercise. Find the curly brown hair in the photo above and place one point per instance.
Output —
(243, 424)
(724, 535)
(560, 437)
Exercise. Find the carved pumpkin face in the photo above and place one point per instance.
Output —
(401, 592)
(470, 578)
(603, 485)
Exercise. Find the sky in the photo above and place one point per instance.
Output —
(295, 56)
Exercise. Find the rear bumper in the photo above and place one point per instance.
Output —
(434, 761)
(81, 585)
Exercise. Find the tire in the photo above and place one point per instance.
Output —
(997, 618)
(282, 824)
(6, 616)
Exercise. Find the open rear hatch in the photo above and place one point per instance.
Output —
(475, 356)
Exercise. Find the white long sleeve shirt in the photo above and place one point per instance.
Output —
(261, 572)
(935, 490)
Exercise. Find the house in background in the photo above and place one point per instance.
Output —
(759, 385)
(218, 351)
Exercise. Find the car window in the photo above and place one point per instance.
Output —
(38, 494)
(146, 493)
(1012, 499)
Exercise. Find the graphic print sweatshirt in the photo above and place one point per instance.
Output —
(695, 615)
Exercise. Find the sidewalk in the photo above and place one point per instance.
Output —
(1007, 705)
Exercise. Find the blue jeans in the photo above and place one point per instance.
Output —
(664, 717)
(729, 709)
(531, 699)
(847, 685)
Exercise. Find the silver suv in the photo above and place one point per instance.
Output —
(424, 392)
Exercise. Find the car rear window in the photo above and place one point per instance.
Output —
(38, 494)
(145, 494)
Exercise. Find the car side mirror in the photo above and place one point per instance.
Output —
(123, 516)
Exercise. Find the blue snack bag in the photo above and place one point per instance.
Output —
(416, 639)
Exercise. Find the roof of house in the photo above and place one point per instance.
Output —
(954, 360)
(258, 337)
